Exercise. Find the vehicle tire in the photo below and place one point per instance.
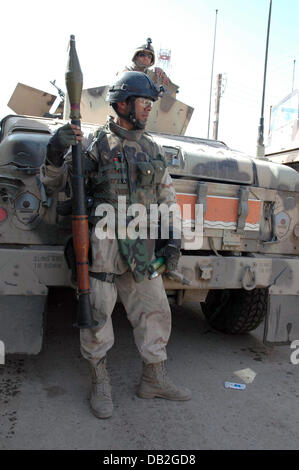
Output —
(235, 311)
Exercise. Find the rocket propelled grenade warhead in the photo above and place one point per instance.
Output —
(74, 80)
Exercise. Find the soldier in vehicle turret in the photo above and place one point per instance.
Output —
(143, 60)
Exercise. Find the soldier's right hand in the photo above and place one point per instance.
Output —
(65, 136)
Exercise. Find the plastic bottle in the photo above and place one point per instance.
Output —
(234, 385)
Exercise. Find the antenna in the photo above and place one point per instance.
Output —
(212, 71)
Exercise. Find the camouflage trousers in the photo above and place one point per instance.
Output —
(147, 310)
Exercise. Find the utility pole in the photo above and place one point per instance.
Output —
(260, 150)
(217, 106)
(212, 71)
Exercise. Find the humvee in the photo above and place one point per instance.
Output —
(245, 271)
(288, 157)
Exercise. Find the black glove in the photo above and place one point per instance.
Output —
(171, 252)
(59, 143)
(171, 255)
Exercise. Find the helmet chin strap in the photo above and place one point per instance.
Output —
(131, 116)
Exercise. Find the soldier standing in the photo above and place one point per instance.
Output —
(123, 160)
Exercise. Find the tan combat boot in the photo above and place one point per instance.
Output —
(155, 383)
(100, 394)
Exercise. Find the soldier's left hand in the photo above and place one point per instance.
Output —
(162, 76)
(171, 254)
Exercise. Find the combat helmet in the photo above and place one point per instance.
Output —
(128, 86)
(147, 48)
(133, 84)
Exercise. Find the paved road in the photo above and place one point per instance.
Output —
(43, 399)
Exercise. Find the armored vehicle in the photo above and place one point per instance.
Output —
(242, 271)
(287, 157)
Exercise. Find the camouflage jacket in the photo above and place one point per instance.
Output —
(157, 75)
(122, 160)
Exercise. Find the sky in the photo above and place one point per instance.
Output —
(34, 37)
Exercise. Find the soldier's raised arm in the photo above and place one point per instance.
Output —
(58, 162)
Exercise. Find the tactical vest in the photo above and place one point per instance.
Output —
(132, 169)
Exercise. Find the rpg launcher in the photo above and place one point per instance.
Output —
(74, 83)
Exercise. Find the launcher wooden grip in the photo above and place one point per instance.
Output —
(81, 247)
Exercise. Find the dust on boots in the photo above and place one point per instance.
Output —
(155, 383)
(100, 395)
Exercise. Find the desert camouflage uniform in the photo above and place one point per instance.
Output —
(157, 75)
(145, 300)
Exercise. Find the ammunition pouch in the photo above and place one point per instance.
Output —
(145, 173)
(150, 172)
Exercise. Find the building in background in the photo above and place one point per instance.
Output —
(283, 140)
